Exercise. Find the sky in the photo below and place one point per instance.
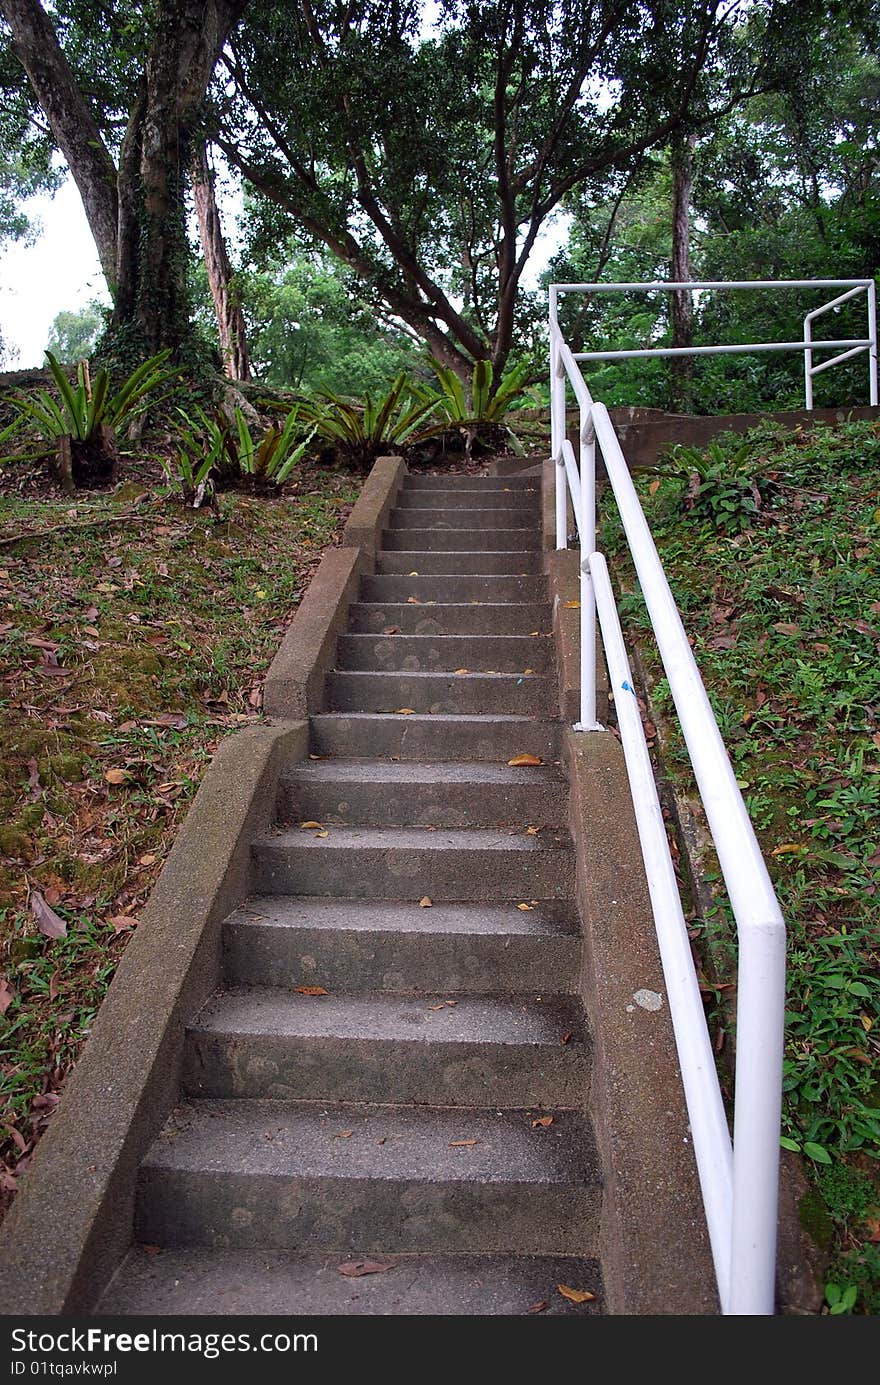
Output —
(59, 271)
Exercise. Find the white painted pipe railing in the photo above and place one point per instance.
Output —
(848, 346)
(738, 1178)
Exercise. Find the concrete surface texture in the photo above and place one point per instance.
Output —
(397, 1061)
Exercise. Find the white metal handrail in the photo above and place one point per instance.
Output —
(738, 1179)
(851, 346)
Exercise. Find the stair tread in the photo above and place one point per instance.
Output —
(254, 1138)
(523, 1020)
(353, 770)
(422, 839)
(546, 919)
(189, 1281)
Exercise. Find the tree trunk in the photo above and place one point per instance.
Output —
(230, 318)
(682, 367)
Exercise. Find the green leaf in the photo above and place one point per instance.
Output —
(816, 1152)
(789, 1144)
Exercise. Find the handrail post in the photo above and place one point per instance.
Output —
(872, 349)
(587, 530)
(808, 363)
(557, 426)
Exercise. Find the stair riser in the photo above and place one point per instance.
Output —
(424, 654)
(462, 540)
(430, 739)
(401, 873)
(497, 564)
(528, 502)
(505, 618)
(375, 1070)
(366, 1215)
(417, 517)
(397, 962)
(481, 484)
(422, 805)
(462, 590)
(429, 693)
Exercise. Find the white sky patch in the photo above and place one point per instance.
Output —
(60, 271)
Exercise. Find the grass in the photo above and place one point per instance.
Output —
(775, 566)
(133, 638)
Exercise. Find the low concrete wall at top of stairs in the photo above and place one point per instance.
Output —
(71, 1223)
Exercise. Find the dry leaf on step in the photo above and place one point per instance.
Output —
(354, 1269)
(462, 670)
(425, 902)
(413, 601)
(413, 574)
(526, 908)
(391, 630)
(463, 1144)
(572, 605)
(575, 1295)
(525, 760)
(404, 711)
(310, 826)
(542, 1122)
(532, 831)
(310, 990)
(322, 833)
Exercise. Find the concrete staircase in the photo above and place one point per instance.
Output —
(427, 1113)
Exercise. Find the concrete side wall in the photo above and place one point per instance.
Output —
(654, 1244)
(294, 685)
(374, 505)
(72, 1220)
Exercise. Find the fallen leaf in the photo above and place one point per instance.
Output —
(116, 776)
(413, 574)
(566, 1038)
(45, 918)
(532, 831)
(785, 627)
(527, 672)
(343, 1135)
(463, 1144)
(867, 1022)
(540, 1307)
(310, 990)
(542, 1122)
(353, 1269)
(405, 711)
(391, 630)
(572, 605)
(525, 760)
(148, 860)
(121, 923)
(654, 486)
(575, 1295)
(323, 833)
(310, 826)
(425, 902)
(7, 995)
(413, 601)
(787, 848)
(526, 908)
(462, 670)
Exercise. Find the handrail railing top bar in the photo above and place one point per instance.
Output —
(860, 343)
(720, 284)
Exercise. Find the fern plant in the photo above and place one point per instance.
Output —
(87, 406)
(215, 449)
(480, 416)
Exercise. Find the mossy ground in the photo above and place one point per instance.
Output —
(128, 649)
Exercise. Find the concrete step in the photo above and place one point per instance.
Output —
(472, 483)
(236, 1283)
(377, 793)
(374, 735)
(447, 499)
(459, 589)
(499, 1051)
(487, 618)
(409, 863)
(495, 517)
(488, 564)
(440, 692)
(463, 540)
(482, 653)
(384, 946)
(278, 1176)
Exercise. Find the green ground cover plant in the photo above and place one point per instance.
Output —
(772, 549)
